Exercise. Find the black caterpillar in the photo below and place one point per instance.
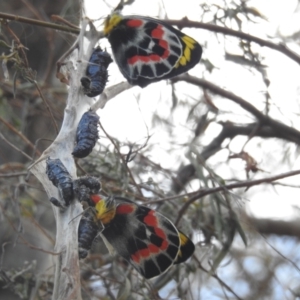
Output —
(87, 231)
(88, 228)
(86, 135)
(96, 73)
(60, 177)
(86, 186)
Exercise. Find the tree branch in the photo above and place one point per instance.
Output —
(227, 31)
(289, 132)
(278, 227)
(247, 184)
(229, 130)
(67, 274)
(20, 19)
(180, 23)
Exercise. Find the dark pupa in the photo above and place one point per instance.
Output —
(87, 231)
(96, 73)
(86, 134)
(61, 178)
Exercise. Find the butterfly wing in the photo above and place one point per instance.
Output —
(191, 51)
(148, 50)
(186, 250)
(142, 236)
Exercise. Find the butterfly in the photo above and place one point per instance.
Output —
(96, 73)
(142, 236)
(86, 134)
(148, 50)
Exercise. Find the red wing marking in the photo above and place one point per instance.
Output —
(160, 233)
(164, 44)
(135, 258)
(166, 54)
(144, 253)
(146, 59)
(158, 32)
(141, 254)
(133, 60)
(153, 249)
(164, 245)
(134, 23)
(154, 57)
(95, 198)
(151, 220)
(124, 209)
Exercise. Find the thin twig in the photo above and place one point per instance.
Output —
(39, 23)
(280, 254)
(242, 35)
(123, 160)
(217, 278)
(288, 131)
(20, 45)
(13, 146)
(61, 60)
(31, 8)
(58, 18)
(23, 239)
(47, 105)
(180, 23)
(205, 192)
(9, 175)
(38, 225)
(251, 135)
(19, 134)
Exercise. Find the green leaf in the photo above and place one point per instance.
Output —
(124, 291)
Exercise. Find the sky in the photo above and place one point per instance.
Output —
(132, 110)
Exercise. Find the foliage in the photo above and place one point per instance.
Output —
(199, 149)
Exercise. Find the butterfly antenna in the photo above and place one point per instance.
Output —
(82, 213)
(120, 6)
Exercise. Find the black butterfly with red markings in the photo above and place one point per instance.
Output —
(145, 238)
(149, 50)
